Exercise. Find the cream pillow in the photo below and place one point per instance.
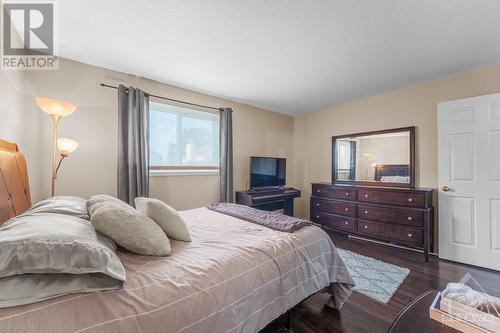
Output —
(166, 217)
(95, 199)
(130, 228)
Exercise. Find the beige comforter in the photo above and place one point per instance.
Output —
(234, 277)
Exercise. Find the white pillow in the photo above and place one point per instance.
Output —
(95, 199)
(130, 228)
(167, 218)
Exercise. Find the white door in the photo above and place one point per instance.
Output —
(469, 180)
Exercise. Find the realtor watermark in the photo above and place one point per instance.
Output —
(29, 35)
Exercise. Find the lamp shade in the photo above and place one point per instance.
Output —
(55, 107)
(66, 146)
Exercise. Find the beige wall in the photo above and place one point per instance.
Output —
(92, 168)
(305, 140)
(414, 106)
(186, 192)
(12, 106)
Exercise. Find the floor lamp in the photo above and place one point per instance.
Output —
(56, 110)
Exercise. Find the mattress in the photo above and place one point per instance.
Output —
(235, 276)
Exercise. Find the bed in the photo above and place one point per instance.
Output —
(392, 173)
(235, 276)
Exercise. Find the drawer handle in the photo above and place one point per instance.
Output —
(317, 205)
(346, 194)
(410, 200)
(317, 216)
(366, 212)
(346, 223)
(410, 218)
(318, 191)
(410, 235)
(347, 209)
(366, 227)
(366, 195)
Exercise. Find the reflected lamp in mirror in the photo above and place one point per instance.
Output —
(384, 158)
(368, 170)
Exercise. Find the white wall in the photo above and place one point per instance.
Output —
(12, 118)
(12, 107)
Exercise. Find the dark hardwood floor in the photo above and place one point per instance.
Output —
(361, 314)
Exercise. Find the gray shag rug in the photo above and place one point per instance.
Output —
(374, 278)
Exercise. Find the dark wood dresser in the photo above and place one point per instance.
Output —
(402, 216)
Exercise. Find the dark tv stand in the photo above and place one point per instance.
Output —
(273, 189)
(269, 200)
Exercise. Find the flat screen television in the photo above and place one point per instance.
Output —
(267, 171)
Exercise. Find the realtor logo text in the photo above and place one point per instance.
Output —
(28, 36)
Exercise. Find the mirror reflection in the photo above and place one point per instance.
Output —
(378, 157)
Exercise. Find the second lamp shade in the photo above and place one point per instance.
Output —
(66, 146)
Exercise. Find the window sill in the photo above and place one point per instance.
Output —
(169, 173)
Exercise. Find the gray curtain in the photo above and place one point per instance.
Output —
(226, 155)
(133, 144)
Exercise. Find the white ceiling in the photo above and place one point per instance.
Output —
(289, 56)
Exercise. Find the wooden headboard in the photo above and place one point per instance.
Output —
(14, 185)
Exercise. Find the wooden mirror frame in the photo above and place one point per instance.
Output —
(411, 184)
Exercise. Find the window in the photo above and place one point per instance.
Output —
(346, 159)
(344, 155)
(182, 138)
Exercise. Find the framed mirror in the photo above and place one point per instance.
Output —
(381, 158)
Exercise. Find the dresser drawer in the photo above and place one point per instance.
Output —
(335, 207)
(334, 192)
(393, 215)
(392, 198)
(334, 221)
(397, 233)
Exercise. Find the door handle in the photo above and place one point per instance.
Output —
(445, 188)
